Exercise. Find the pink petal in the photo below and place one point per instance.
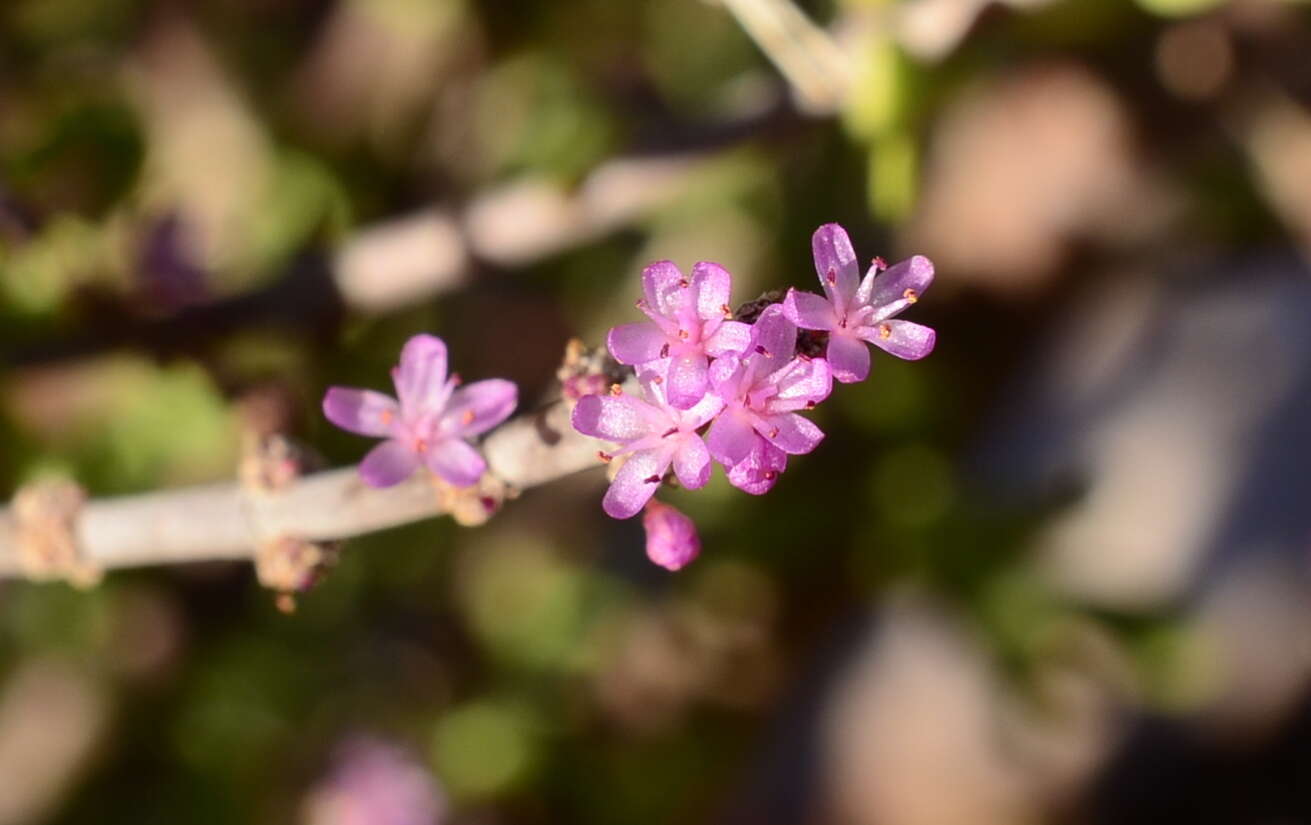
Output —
(809, 311)
(803, 383)
(835, 262)
(903, 339)
(421, 376)
(663, 287)
(731, 337)
(757, 473)
(633, 485)
(391, 462)
(652, 376)
(671, 538)
(849, 358)
(686, 382)
(731, 438)
(774, 336)
(888, 290)
(723, 371)
(636, 343)
(360, 411)
(692, 462)
(476, 408)
(618, 418)
(701, 413)
(792, 433)
(456, 461)
(712, 285)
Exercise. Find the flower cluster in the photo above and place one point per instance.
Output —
(715, 389)
(430, 424)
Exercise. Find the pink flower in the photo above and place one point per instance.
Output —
(375, 783)
(431, 422)
(854, 314)
(671, 538)
(761, 391)
(653, 434)
(689, 325)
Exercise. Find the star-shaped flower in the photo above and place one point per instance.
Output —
(690, 323)
(855, 313)
(653, 434)
(762, 390)
(431, 422)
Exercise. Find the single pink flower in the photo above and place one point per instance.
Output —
(653, 435)
(690, 323)
(855, 311)
(671, 538)
(762, 390)
(431, 423)
(374, 782)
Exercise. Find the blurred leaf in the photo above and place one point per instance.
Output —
(546, 623)
(882, 92)
(303, 200)
(484, 748)
(913, 485)
(534, 115)
(694, 52)
(37, 277)
(1178, 8)
(47, 22)
(893, 176)
(173, 429)
(86, 157)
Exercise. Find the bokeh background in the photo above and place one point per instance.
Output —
(1056, 572)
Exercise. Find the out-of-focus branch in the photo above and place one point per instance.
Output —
(231, 521)
(821, 68)
(1274, 130)
(400, 261)
(818, 70)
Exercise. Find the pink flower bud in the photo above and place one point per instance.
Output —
(671, 538)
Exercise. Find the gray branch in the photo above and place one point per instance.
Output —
(230, 521)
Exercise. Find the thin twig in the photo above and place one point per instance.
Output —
(807, 55)
(230, 521)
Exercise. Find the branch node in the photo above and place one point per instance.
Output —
(45, 515)
(272, 462)
(474, 505)
(289, 565)
(587, 371)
